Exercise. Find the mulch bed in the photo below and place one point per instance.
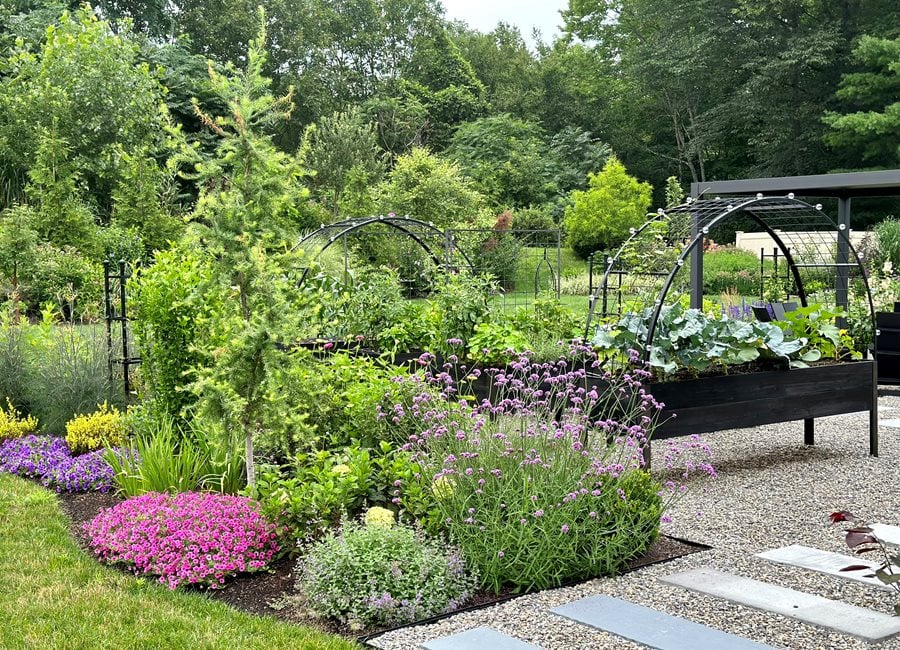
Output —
(272, 593)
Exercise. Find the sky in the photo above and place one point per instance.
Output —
(484, 15)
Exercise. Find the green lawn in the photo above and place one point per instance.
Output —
(53, 595)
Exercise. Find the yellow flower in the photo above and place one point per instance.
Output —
(442, 487)
(377, 516)
(340, 469)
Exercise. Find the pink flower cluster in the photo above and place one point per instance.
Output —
(186, 538)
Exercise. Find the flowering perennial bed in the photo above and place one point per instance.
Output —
(186, 538)
(49, 460)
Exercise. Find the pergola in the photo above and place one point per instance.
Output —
(844, 187)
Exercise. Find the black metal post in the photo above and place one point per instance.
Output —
(108, 309)
(841, 274)
(126, 360)
(696, 265)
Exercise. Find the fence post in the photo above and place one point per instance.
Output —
(126, 360)
(107, 304)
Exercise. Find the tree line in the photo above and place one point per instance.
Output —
(388, 106)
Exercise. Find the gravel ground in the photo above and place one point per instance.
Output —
(772, 491)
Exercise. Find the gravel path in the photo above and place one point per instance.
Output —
(772, 491)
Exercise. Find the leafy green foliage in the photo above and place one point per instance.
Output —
(496, 343)
(509, 160)
(172, 303)
(443, 81)
(460, 302)
(322, 487)
(17, 241)
(874, 128)
(429, 188)
(601, 216)
(816, 324)
(342, 151)
(687, 338)
(83, 89)
(383, 575)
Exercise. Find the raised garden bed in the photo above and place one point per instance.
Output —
(748, 400)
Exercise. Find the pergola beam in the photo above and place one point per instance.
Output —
(847, 184)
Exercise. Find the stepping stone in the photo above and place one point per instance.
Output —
(890, 535)
(650, 627)
(862, 623)
(824, 562)
(478, 638)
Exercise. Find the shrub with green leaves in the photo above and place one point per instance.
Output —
(424, 186)
(601, 216)
(460, 302)
(383, 575)
(727, 270)
(65, 277)
(170, 303)
(322, 487)
(102, 428)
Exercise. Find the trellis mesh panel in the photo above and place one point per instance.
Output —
(523, 263)
(810, 260)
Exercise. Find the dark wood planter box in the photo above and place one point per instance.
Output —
(887, 346)
(749, 400)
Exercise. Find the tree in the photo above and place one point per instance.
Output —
(600, 217)
(503, 63)
(674, 65)
(18, 239)
(340, 149)
(248, 211)
(872, 132)
(508, 159)
(400, 122)
(427, 187)
(85, 86)
(439, 77)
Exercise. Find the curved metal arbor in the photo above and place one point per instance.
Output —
(429, 238)
(819, 255)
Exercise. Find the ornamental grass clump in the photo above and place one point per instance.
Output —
(48, 459)
(381, 574)
(13, 425)
(544, 482)
(184, 539)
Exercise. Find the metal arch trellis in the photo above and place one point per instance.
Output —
(810, 241)
(415, 229)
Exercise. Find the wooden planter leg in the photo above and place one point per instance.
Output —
(873, 413)
(873, 432)
(809, 431)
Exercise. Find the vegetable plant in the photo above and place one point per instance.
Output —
(688, 338)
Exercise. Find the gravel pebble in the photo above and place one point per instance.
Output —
(772, 491)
